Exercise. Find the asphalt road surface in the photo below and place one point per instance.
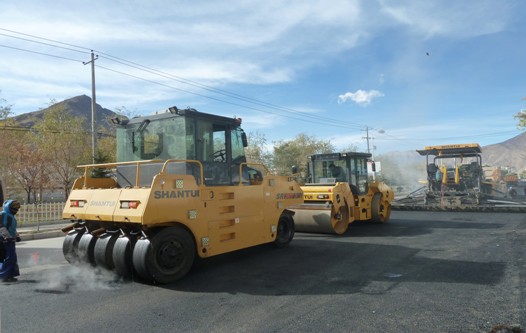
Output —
(421, 272)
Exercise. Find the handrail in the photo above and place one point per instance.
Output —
(114, 164)
(201, 173)
(260, 167)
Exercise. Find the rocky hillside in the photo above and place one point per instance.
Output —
(407, 168)
(79, 106)
(511, 153)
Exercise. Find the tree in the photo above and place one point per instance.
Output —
(28, 169)
(295, 153)
(10, 138)
(5, 110)
(123, 111)
(521, 117)
(257, 151)
(350, 148)
(64, 142)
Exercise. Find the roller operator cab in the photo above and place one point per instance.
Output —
(181, 188)
(340, 191)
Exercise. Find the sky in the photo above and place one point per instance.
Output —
(405, 74)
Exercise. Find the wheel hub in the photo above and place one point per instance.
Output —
(171, 255)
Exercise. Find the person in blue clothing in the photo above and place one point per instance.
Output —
(8, 236)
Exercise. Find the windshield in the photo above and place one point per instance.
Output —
(152, 140)
(180, 138)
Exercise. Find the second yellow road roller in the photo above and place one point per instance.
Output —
(340, 191)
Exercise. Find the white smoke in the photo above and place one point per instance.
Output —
(69, 278)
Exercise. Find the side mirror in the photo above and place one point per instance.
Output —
(294, 169)
(244, 139)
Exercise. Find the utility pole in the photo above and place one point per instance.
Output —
(93, 106)
(367, 137)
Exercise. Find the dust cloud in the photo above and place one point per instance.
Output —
(70, 278)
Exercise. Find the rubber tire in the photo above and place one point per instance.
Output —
(70, 245)
(86, 249)
(122, 257)
(380, 213)
(166, 258)
(285, 231)
(103, 252)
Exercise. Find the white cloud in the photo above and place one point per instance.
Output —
(451, 19)
(360, 97)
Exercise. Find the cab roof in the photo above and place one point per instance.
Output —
(452, 149)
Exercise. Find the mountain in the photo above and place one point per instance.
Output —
(408, 167)
(79, 106)
(510, 153)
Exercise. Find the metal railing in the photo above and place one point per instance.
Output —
(38, 213)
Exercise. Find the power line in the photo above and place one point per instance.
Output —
(40, 53)
(46, 39)
(225, 92)
(213, 98)
(41, 43)
(20, 128)
(296, 113)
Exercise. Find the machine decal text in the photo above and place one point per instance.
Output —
(102, 203)
(281, 196)
(176, 194)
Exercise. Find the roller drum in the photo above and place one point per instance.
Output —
(318, 218)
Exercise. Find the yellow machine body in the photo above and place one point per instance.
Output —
(181, 188)
(330, 205)
(220, 218)
(455, 176)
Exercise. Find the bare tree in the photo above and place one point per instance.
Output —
(257, 151)
(27, 169)
(5, 110)
(64, 141)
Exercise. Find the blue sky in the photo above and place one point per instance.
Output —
(415, 73)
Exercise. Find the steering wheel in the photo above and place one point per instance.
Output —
(220, 155)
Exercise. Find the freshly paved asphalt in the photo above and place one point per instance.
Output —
(421, 272)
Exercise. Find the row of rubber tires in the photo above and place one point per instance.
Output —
(165, 256)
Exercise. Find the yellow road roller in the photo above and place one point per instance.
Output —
(181, 188)
(340, 191)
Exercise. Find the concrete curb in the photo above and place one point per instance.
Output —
(28, 233)
(41, 235)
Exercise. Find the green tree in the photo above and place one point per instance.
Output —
(521, 117)
(295, 153)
